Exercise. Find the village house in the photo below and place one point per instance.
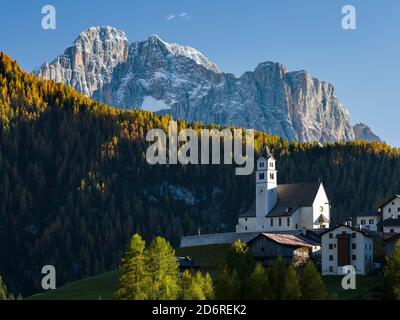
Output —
(345, 245)
(390, 223)
(284, 207)
(369, 220)
(296, 249)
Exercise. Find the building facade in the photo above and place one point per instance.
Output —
(391, 215)
(344, 245)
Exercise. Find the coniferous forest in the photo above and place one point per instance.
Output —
(75, 184)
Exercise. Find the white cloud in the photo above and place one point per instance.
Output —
(170, 17)
(183, 15)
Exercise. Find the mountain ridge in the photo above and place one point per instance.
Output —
(168, 78)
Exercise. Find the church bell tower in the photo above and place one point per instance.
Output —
(266, 189)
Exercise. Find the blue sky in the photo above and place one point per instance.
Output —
(362, 64)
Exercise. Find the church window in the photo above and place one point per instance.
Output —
(272, 176)
(331, 236)
(331, 257)
(261, 176)
(330, 269)
(262, 164)
(245, 228)
(296, 226)
(272, 222)
(390, 210)
(271, 164)
(371, 221)
(363, 222)
(280, 221)
(353, 257)
(288, 221)
(354, 246)
(330, 246)
(245, 219)
(353, 235)
(398, 209)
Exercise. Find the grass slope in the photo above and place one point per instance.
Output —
(104, 285)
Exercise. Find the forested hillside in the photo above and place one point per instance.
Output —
(75, 184)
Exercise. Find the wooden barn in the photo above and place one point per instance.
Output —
(297, 249)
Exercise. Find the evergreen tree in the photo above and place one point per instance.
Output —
(291, 290)
(134, 277)
(238, 258)
(208, 287)
(257, 284)
(163, 270)
(311, 284)
(276, 278)
(3, 290)
(391, 278)
(228, 285)
(195, 287)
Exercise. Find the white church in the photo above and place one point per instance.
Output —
(284, 207)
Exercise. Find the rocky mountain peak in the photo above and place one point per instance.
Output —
(88, 64)
(363, 132)
(154, 41)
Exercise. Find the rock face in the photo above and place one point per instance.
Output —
(363, 132)
(88, 64)
(169, 78)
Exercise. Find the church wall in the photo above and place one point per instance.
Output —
(306, 217)
(250, 223)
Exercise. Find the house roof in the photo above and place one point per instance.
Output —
(365, 233)
(393, 238)
(293, 196)
(391, 199)
(369, 214)
(321, 219)
(287, 239)
(290, 197)
(186, 262)
(391, 222)
(249, 213)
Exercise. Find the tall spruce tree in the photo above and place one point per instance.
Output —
(163, 269)
(311, 284)
(228, 285)
(257, 284)
(134, 278)
(391, 278)
(276, 278)
(291, 290)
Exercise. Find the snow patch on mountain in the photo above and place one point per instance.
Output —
(151, 104)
